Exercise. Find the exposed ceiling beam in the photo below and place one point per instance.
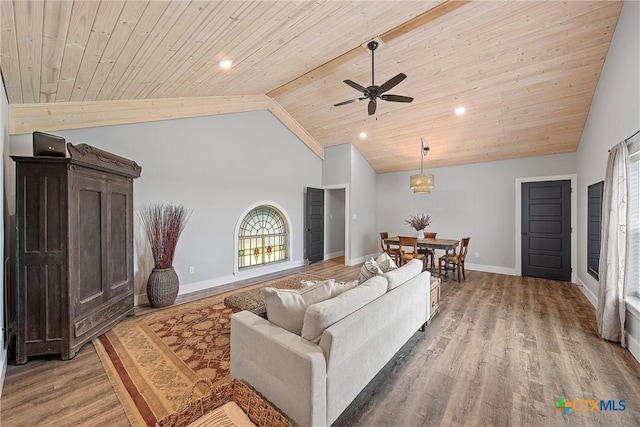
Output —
(328, 67)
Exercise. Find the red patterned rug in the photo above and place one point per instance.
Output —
(154, 359)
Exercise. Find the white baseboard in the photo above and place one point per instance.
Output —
(587, 292)
(633, 346)
(224, 280)
(334, 255)
(490, 269)
(3, 361)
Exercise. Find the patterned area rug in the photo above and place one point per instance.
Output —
(154, 359)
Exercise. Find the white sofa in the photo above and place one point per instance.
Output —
(314, 383)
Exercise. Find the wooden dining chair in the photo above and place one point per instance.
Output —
(409, 250)
(429, 253)
(392, 251)
(456, 260)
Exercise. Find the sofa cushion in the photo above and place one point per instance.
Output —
(385, 262)
(400, 275)
(321, 315)
(337, 287)
(286, 307)
(369, 269)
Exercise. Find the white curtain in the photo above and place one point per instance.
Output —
(611, 311)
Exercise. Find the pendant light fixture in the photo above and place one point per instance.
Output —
(422, 183)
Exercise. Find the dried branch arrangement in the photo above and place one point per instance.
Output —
(163, 225)
(419, 222)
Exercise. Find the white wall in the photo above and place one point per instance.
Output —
(217, 166)
(365, 240)
(4, 144)
(343, 164)
(476, 200)
(614, 116)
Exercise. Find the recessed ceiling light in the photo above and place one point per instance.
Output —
(460, 110)
(363, 135)
(225, 63)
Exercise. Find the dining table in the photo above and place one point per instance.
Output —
(429, 243)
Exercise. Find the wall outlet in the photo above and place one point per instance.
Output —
(475, 254)
(192, 270)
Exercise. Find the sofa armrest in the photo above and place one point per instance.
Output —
(287, 369)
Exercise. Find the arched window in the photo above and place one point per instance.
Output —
(262, 238)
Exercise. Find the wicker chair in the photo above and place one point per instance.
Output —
(259, 410)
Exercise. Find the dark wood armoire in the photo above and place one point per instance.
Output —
(74, 269)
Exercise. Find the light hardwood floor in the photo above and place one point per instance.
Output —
(500, 353)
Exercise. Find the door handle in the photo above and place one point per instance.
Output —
(525, 234)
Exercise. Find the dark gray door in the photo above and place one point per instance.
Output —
(546, 229)
(314, 237)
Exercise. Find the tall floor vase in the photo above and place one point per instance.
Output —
(162, 287)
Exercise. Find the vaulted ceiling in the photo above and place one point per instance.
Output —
(525, 71)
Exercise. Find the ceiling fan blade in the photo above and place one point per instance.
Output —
(372, 106)
(392, 82)
(396, 98)
(355, 85)
(347, 102)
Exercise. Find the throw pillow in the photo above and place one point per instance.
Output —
(369, 269)
(321, 315)
(400, 275)
(336, 287)
(385, 262)
(286, 307)
(339, 287)
(307, 283)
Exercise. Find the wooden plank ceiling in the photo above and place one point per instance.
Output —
(525, 71)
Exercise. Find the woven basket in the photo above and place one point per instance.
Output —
(259, 410)
(162, 287)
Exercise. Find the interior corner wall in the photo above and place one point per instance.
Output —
(216, 166)
(475, 200)
(4, 145)
(614, 116)
(343, 164)
(365, 241)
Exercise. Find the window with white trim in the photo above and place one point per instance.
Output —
(262, 238)
(633, 223)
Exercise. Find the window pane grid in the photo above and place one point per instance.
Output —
(262, 238)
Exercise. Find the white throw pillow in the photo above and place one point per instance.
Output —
(369, 269)
(336, 287)
(286, 307)
(339, 287)
(321, 315)
(400, 275)
(385, 262)
(308, 283)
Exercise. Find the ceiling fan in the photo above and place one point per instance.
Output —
(373, 92)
